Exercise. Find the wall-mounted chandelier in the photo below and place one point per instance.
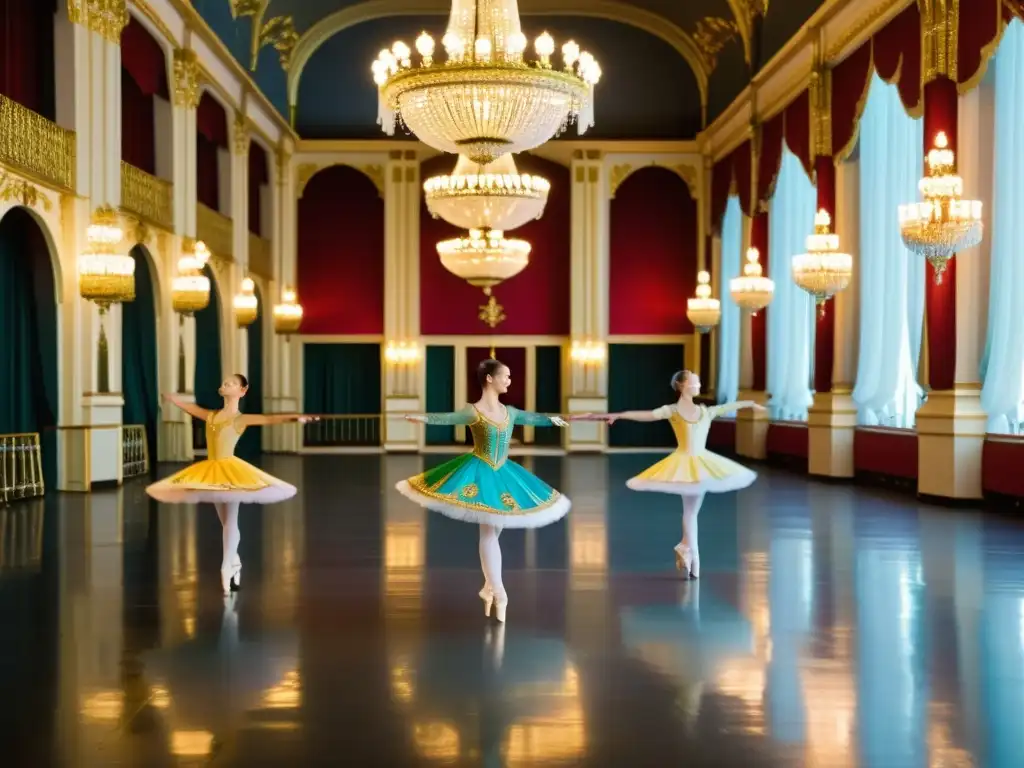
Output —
(494, 196)
(485, 99)
(245, 304)
(287, 314)
(943, 223)
(752, 291)
(823, 271)
(703, 311)
(190, 288)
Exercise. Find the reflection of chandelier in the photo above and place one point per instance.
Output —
(823, 271)
(485, 100)
(190, 289)
(105, 276)
(704, 312)
(246, 304)
(287, 314)
(942, 223)
(484, 258)
(494, 196)
(752, 291)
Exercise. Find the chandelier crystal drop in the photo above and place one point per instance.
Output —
(942, 223)
(287, 314)
(485, 257)
(704, 312)
(823, 271)
(752, 291)
(494, 196)
(190, 288)
(485, 99)
(105, 276)
(245, 304)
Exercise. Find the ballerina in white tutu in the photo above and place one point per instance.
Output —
(691, 470)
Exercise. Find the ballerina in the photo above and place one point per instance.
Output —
(223, 479)
(482, 486)
(691, 470)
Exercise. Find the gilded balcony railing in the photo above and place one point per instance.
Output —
(21, 467)
(260, 261)
(31, 143)
(147, 196)
(134, 450)
(214, 229)
(343, 431)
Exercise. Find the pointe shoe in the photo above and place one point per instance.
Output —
(499, 609)
(684, 561)
(236, 576)
(230, 578)
(488, 597)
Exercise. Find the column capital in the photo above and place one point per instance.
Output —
(186, 78)
(107, 18)
(240, 137)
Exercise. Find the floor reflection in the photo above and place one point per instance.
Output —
(833, 627)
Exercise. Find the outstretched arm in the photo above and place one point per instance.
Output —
(190, 408)
(739, 405)
(532, 419)
(455, 419)
(261, 420)
(658, 414)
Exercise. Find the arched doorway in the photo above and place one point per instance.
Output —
(250, 445)
(139, 369)
(209, 373)
(28, 324)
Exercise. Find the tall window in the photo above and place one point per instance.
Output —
(791, 313)
(1002, 368)
(729, 327)
(891, 278)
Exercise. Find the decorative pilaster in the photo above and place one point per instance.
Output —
(240, 141)
(403, 370)
(588, 377)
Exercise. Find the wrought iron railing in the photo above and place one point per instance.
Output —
(146, 196)
(260, 260)
(343, 431)
(21, 467)
(215, 229)
(134, 450)
(40, 147)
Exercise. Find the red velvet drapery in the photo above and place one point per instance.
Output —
(759, 322)
(143, 78)
(211, 134)
(824, 334)
(721, 183)
(26, 54)
(259, 175)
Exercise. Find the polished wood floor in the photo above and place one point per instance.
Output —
(832, 627)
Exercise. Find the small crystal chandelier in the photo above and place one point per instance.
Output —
(485, 100)
(402, 353)
(245, 304)
(494, 196)
(752, 291)
(704, 312)
(943, 223)
(484, 258)
(823, 271)
(287, 314)
(190, 289)
(588, 353)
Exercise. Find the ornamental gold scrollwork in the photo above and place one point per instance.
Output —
(187, 78)
(711, 36)
(280, 33)
(940, 26)
(31, 143)
(618, 175)
(820, 92)
(147, 196)
(107, 18)
(241, 137)
(216, 230)
(15, 190)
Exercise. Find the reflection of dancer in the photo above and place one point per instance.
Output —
(483, 486)
(691, 470)
(223, 479)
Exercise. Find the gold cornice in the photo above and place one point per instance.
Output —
(106, 18)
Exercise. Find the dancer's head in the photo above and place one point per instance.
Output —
(686, 383)
(493, 375)
(234, 386)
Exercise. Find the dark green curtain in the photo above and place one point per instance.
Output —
(341, 379)
(250, 446)
(139, 371)
(440, 392)
(639, 378)
(28, 327)
(548, 392)
(209, 375)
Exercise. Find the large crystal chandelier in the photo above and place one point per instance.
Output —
(190, 288)
(704, 312)
(484, 258)
(823, 271)
(485, 99)
(494, 196)
(943, 223)
(105, 276)
(752, 291)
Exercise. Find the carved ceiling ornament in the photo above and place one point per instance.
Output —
(278, 31)
(711, 36)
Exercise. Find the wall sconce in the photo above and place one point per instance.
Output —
(588, 353)
(402, 353)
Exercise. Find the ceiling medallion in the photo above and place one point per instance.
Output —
(485, 99)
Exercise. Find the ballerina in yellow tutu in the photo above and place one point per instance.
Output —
(691, 470)
(223, 479)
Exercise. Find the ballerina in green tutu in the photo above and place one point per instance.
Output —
(483, 487)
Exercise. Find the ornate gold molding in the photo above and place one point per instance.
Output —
(623, 171)
(106, 18)
(31, 143)
(187, 78)
(154, 18)
(15, 190)
(820, 94)
(280, 33)
(711, 36)
(940, 26)
(147, 196)
(240, 135)
(306, 171)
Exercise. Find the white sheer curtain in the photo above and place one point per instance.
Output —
(891, 278)
(729, 326)
(791, 313)
(1002, 368)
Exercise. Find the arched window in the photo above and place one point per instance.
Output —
(728, 386)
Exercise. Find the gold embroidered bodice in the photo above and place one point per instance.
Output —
(691, 436)
(221, 437)
(491, 438)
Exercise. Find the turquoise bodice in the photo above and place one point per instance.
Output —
(490, 438)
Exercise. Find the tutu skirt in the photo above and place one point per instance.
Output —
(221, 480)
(686, 474)
(467, 488)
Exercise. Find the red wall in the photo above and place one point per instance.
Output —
(536, 301)
(341, 254)
(211, 134)
(1001, 462)
(882, 451)
(514, 358)
(653, 254)
(787, 439)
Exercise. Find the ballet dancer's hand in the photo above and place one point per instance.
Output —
(307, 419)
(416, 417)
(558, 421)
(610, 418)
(760, 408)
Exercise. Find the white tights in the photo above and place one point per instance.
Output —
(490, 560)
(691, 508)
(228, 514)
